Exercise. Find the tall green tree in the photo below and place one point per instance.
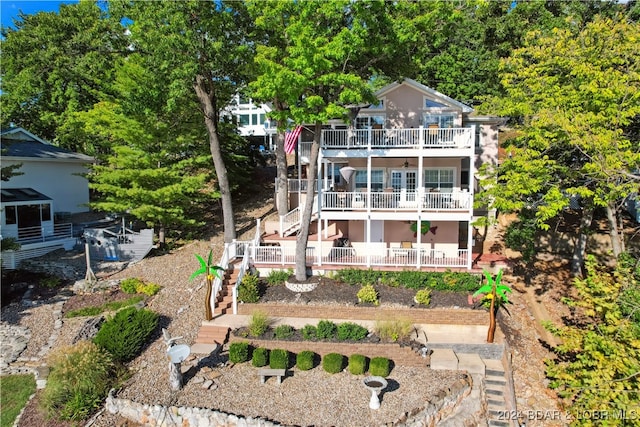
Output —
(56, 64)
(202, 45)
(575, 93)
(598, 364)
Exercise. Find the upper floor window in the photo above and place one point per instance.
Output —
(430, 103)
(439, 179)
(377, 179)
(243, 119)
(366, 122)
(441, 120)
(378, 106)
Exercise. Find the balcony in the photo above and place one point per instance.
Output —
(397, 138)
(397, 201)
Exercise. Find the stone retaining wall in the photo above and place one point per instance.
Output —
(404, 356)
(434, 410)
(440, 316)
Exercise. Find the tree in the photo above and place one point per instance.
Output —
(210, 271)
(203, 47)
(54, 65)
(495, 294)
(574, 92)
(598, 363)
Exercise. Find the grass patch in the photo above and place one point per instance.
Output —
(14, 394)
(110, 306)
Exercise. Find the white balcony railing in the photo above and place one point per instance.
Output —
(397, 138)
(44, 234)
(396, 201)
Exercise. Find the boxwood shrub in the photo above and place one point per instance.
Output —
(357, 364)
(260, 357)
(326, 329)
(282, 332)
(379, 366)
(278, 359)
(125, 334)
(333, 363)
(309, 332)
(305, 360)
(351, 331)
(239, 352)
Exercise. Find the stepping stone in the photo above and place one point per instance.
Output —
(444, 358)
(470, 362)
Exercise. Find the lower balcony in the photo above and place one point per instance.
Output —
(394, 200)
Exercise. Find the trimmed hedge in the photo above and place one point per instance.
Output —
(379, 366)
(239, 352)
(260, 357)
(333, 363)
(357, 364)
(278, 359)
(305, 360)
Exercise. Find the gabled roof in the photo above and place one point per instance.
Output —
(18, 142)
(432, 93)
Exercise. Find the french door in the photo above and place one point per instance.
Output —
(405, 183)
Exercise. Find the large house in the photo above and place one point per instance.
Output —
(395, 189)
(50, 185)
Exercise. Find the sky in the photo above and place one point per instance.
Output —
(9, 9)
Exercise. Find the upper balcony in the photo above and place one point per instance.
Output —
(397, 138)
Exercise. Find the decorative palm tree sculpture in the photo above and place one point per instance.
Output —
(211, 271)
(496, 294)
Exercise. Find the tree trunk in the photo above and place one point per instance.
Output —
(206, 99)
(617, 242)
(492, 317)
(303, 235)
(579, 250)
(161, 236)
(208, 312)
(282, 185)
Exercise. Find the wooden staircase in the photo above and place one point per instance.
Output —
(210, 335)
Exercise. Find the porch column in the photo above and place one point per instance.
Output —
(472, 175)
(369, 206)
(419, 196)
(319, 205)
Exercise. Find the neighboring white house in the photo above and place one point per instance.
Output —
(252, 121)
(51, 185)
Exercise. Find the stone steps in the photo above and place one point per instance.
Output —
(209, 337)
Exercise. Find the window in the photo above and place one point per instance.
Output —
(337, 178)
(10, 215)
(243, 119)
(378, 106)
(439, 179)
(46, 212)
(430, 103)
(377, 179)
(262, 119)
(441, 120)
(366, 122)
(254, 119)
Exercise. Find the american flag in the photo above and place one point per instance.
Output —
(291, 139)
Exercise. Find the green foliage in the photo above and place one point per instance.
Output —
(282, 332)
(238, 352)
(109, 306)
(423, 296)
(9, 244)
(125, 334)
(80, 377)
(260, 357)
(380, 366)
(133, 285)
(597, 364)
(15, 391)
(494, 290)
(50, 282)
(248, 290)
(278, 359)
(333, 363)
(354, 276)
(393, 330)
(351, 331)
(309, 332)
(305, 360)
(411, 279)
(326, 329)
(357, 364)
(521, 236)
(368, 294)
(259, 323)
(278, 277)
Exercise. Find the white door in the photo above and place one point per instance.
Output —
(377, 231)
(405, 182)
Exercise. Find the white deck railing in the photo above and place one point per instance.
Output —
(397, 138)
(44, 234)
(394, 257)
(356, 200)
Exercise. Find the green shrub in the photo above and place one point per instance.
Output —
(239, 352)
(50, 282)
(278, 277)
(248, 291)
(283, 332)
(351, 331)
(309, 332)
(326, 330)
(423, 296)
(149, 289)
(357, 364)
(130, 285)
(333, 363)
(125, 334)
(260, 357)
(354, 276)
(393, 330)
(278, 359)
(305, 360)
(368, 294)
(80, 377)
(259, 323)
(412, 279)
(109, 306)
(379, 366)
